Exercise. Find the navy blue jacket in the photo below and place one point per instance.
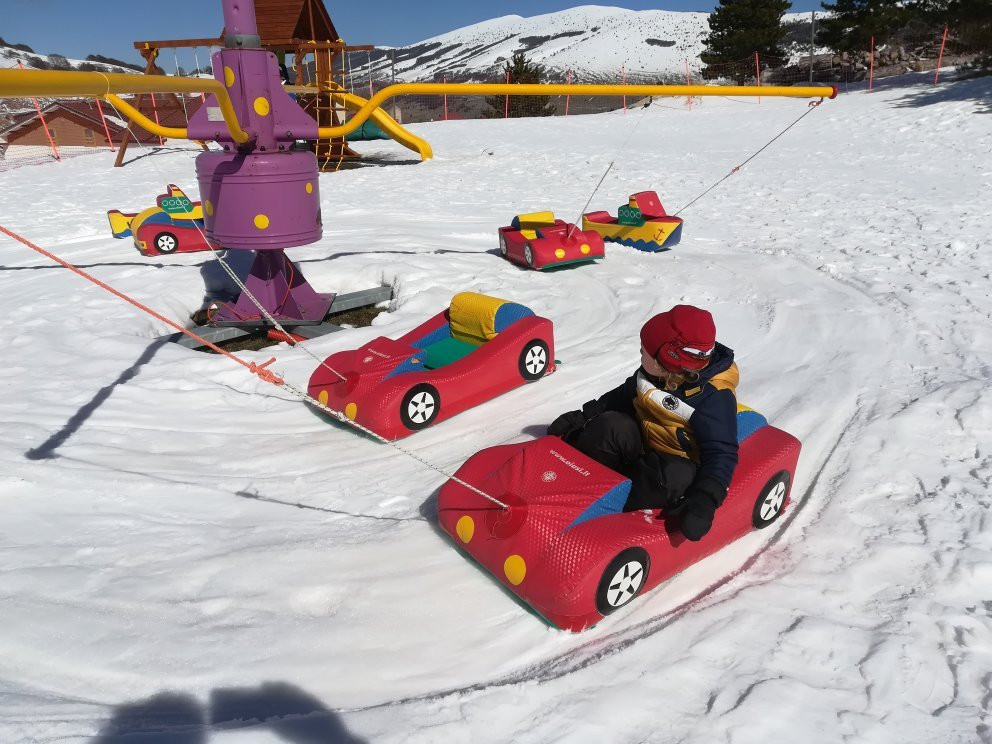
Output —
(713, 423)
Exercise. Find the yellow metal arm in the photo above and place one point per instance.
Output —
(143, 121)
(56, 83)
(498, 89)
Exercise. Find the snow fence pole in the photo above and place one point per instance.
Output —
(444, 79)
(155, 111)
(688, 99)
(106, 129)
(936, 73)
(371, 90)
(44, 125)
(623, 79)
(568, 98)
(506, 111)
(757, 72)
(871, 64)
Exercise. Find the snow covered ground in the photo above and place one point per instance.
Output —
(187, 550)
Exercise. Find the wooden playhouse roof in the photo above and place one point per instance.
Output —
(281, 20)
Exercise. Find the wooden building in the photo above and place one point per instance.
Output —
(78, 123)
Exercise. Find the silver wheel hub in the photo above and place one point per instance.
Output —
(772, 503)
(535, 360)
(420, 407)
(625, 583)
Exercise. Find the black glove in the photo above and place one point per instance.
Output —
(701, 500)
(567, 424)
(572, 422)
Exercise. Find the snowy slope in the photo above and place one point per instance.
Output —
(591, 40)
(188, 550)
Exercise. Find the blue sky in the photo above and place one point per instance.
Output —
(76, 28)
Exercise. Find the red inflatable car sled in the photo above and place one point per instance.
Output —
(539, 241)
(477, 348)
(564, 546)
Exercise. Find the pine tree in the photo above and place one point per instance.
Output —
(738, 29)
(854, 23)
(520, 71)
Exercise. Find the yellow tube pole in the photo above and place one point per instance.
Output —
(56, 83)
(143, 121)
(514, 89)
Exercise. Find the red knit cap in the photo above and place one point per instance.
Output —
(681, 339)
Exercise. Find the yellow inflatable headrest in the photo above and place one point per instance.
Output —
(534, 220)
(473, 317)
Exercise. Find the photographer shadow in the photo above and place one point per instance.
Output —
(287, 711)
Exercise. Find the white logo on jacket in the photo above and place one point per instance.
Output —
(678, 408)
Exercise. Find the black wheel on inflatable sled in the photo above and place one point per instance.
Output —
(534, 360)
(771, 501)
(420, 406)
(622, 580)
(166, 242)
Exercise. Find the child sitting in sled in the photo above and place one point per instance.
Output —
(671, 427)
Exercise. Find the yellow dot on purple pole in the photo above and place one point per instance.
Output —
(465, 529)
(261, 106)
(261, 221)
(209, 206)
(309, 188)
(228, 76)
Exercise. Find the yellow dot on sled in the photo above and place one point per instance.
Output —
(560, 253)
(261, 221)
(309, 188)
(228, 76)
(322, 397)
(261, 106)
(515, 569)
(209, 206)
(351, 410)
(585, 248)
(465, 529)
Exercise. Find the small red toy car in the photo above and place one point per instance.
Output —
(564, 545)
(175, 225)
(474, 350)
(539, 241)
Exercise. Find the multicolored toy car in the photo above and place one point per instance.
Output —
(477, 348)
(564, 545)
(642, 223)
(539, 241)
(175, 225)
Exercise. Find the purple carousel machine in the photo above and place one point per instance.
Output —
(261, 195)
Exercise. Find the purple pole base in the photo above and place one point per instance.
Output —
(279, 286)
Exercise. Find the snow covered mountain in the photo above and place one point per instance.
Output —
(592, 41)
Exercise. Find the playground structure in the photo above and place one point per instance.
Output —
(294, 27)
(260, 192)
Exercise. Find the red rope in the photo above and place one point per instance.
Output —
(255, 369)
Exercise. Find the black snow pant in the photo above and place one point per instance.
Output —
(658, 480)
